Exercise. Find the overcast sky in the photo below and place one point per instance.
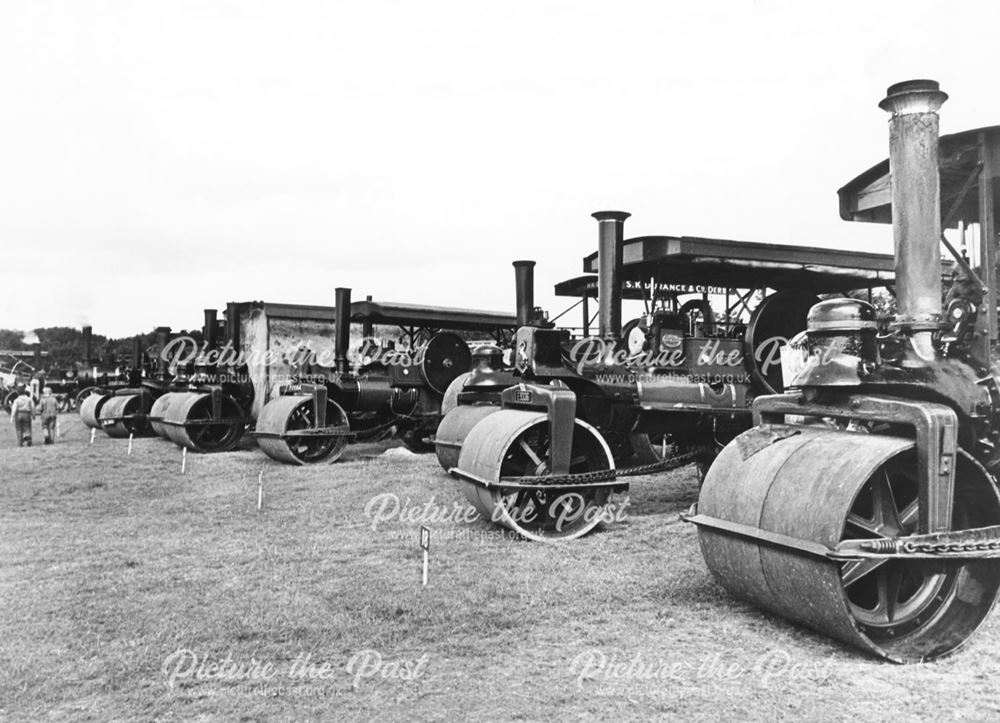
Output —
(160, 158)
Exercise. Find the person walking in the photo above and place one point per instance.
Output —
(21, 412)
(48, 408)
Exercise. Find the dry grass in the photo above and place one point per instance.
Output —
(110, 563)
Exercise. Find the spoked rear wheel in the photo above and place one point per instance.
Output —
(890, 599)
(821, 486)
(311, 449)
(283, 416)
(200, 430)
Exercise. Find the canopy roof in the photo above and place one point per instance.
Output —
(436, 317)
(868, 196)
(377, 312)
(685, 263)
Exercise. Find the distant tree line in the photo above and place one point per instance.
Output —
(64, 345)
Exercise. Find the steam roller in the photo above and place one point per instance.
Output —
(670, 387)
(204, 422)
(864, 502)
(508, 453)
(124, 408)
(290, 430)
(393, 389)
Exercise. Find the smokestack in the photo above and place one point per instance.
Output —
(342, 330)
(37, 356)
(610, 245)
(916, 206)
(162, 337)
(136, 352)
(233, 326)
(524, 294)
(367, 327)
(87, 348)
(211, 319)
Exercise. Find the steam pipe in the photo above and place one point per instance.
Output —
(916, 207)
(524, 294)
(341, 330)
(610, 247)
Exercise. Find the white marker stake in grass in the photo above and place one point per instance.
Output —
(425, 545)
(129, 444)
(92, 433)
(184, 459)
(260, 490)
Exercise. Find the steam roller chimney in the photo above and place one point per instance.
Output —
(136, 352)
(342, 330)
(367, 326)
(524, 294)
(211, 324)
(610, 246)
(233, 326)
(916, 207)
(88, 352)
(162, 337)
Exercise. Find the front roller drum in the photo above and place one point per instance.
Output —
(161, 410)
(455, 427)
(515, 444)
(283, 417)
(450, 399)
(90, 408)
(123, 416)
(190, 421)
(821, 486)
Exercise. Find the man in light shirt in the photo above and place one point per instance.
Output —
(21, 412)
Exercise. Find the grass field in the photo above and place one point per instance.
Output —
(131, 591)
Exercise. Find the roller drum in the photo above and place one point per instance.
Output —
(450, 399)
(90, 407)
(455, 427)
(161, 409)
(283, 415)
(124, 416)
(189, 422)
(514, 444)
(823, 486)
